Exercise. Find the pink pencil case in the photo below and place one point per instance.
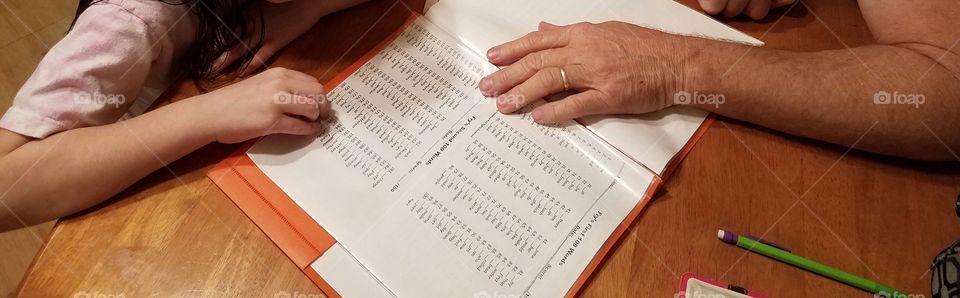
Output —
(695, 286)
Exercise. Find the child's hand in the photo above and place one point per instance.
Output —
(276, 101)
(755, 9)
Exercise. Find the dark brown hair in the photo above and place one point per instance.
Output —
(222, 25)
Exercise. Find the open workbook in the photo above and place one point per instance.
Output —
(420, 188)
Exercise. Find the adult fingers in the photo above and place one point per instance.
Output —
(544, 82)
(532, 42)
(548, 26)
(585, 103)
(516, 73)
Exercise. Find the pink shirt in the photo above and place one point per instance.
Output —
(113, 64)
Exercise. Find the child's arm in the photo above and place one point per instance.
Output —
(75, 169)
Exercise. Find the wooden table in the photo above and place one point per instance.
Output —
(175, 234)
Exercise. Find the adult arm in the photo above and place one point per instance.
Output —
(826, 95)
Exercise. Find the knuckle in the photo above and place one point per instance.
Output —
(532, 62)
(497, 78)
(731, 12)
(757, 13)
(274, 102)
(278, 72)
(275, 85)
(309, 103)
(580, 27)
(578, 106)
(548, 78)
(560, 110)
(534, 37)
(532, 40)
(603, 68)
(316, 87)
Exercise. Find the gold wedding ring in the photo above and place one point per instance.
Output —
(563, 76)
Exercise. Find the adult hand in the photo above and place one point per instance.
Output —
(755, 9)
(615, 68)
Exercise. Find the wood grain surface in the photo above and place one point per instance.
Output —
(175, 234)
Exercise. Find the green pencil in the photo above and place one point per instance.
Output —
(806, 264)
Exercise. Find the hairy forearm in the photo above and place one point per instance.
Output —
(832, 95)
(76, 169)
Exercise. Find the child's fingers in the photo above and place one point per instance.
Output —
(734, 8)
(307, 88)
(757, 9)
(228, 58)
(259, 60)
(304, 106)
(296, 75)
(285, 74)
(293, 126)
(781, 3)
(713, 6)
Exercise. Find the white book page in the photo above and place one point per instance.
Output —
(343, 272)
(435, 193)
(652, 139)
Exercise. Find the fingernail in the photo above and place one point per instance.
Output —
(485, 85)
(493, 53)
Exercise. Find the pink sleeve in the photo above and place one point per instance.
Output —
(89, 78)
